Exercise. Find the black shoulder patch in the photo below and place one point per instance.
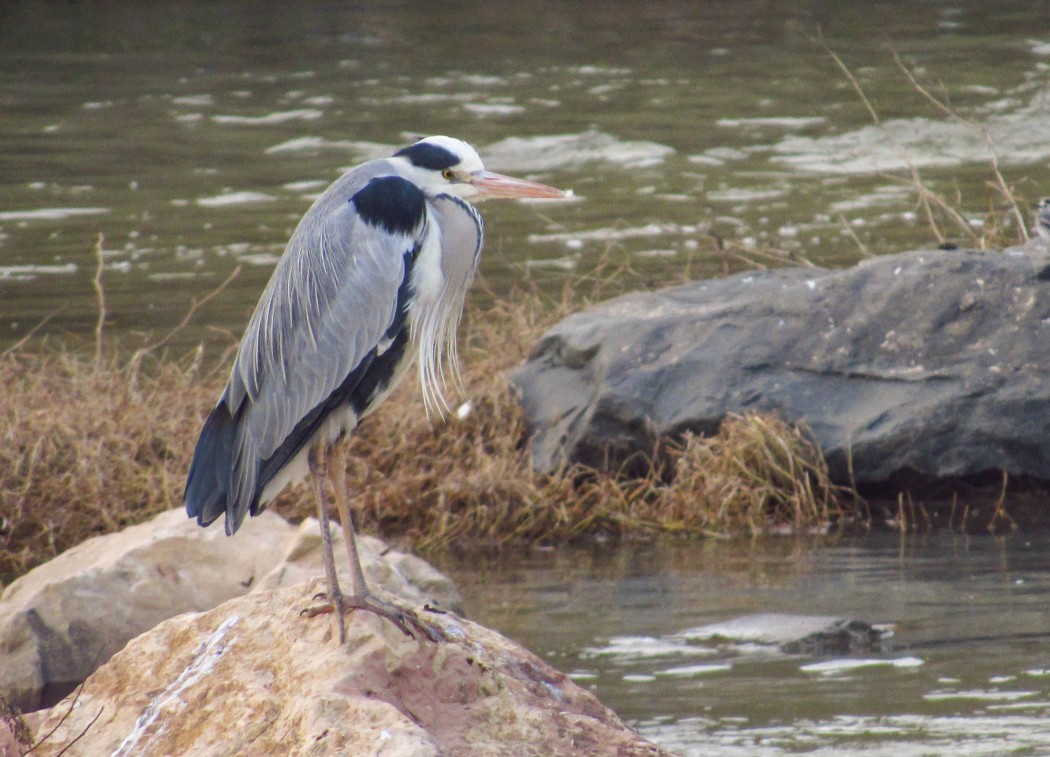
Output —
(427, 155)
(393, 204)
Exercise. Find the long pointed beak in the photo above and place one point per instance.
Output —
(492, 184)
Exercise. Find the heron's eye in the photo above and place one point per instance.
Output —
(448, 174)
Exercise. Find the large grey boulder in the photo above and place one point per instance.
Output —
(66, 617)
(923, 367)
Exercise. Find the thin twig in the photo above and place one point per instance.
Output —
(96, 249)
(195, 305)
(853, 235)
(993, 157)
(29, 335)
(852, 79)
(1000, 510)
(83, 733)
(69, 711)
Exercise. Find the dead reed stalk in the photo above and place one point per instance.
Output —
(1006, 201)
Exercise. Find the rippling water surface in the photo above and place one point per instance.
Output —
(966, 669)
(194, 135)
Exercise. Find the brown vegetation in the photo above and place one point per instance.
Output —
(91, 445)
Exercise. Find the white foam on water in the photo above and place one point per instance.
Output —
(545, 153)
(1040, 704)
(689, 671)
(1039, 47)
(172, 276)
(493, 109)
(50, 214)
(423, 98)
(310, 185)
(260, 258)
(718, 156)
(639, 678)
(613, 234)
(473, 80)
(847, 665)
(234, 198)
(982, 695)
(644, 647)
(278, 117)
(779, 122)
(28, 272)
(740, 194)
(885, 195)
(197, 101)
(591, 70)
(557, 264)
(1019, 129)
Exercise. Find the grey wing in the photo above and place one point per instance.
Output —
(332, 304)
(329, 309)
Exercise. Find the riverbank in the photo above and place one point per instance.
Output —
(96, 443)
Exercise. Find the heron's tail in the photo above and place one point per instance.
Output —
(209, 478)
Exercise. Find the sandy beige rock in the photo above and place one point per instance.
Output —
(254, 677)
(66, 617)
(400, 573)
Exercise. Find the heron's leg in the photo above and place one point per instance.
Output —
(318, 460)
(361, 598)
(358, 586)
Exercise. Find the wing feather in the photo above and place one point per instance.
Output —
(328, 309)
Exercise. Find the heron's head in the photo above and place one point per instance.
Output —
(444, 165)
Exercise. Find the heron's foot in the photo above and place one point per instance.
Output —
(406, 620)
(336, 604)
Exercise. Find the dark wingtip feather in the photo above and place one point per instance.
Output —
(208, 479)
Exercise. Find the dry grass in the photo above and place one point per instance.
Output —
(90, 446)
(1002, 222)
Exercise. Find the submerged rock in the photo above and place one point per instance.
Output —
(925, 367)
(253, 677)
(816, 635)
(65, 618)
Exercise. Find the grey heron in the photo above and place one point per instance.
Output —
(373, 277)
(1042, 219)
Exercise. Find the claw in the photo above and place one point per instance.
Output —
(315, 610)
(405, 620)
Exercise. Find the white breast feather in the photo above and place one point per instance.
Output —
(429, 319)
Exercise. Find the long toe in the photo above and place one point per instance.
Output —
(403, 618)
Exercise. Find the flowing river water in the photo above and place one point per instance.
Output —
(194, 135)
